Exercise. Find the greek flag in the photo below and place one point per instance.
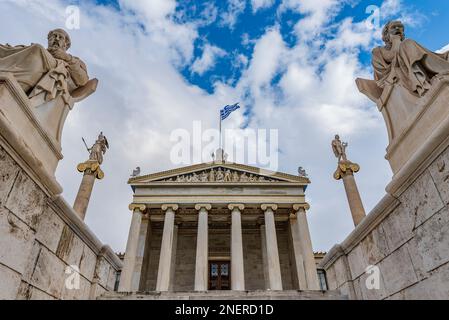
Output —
(227, 110)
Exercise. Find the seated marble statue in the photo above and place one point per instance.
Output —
(403, 61)
(52, 71)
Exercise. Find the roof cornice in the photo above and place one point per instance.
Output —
(154, 177)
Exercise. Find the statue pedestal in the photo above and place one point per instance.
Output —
(412, 127)
(411, 121)
(418, 128)
(25, 137)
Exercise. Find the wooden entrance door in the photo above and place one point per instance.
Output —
(219, 275)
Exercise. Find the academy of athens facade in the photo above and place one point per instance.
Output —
(219, 226)
(222, 226)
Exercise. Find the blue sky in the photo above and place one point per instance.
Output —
(431, 19)
(165, 64)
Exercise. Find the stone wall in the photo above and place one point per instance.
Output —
(185, 261)
(151, 260)
(406, 236)
(252, 260)
(285, 258)
(40, 237)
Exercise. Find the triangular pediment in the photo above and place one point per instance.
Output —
(223, 172)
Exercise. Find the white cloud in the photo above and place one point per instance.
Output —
(207, 60)
(351, 36)
(242, 61)
(265, 61)
(209, 14)
(156, 15)
(317, 14)
(235, 9)
(261, 4)
(152, 11)
(395, 9)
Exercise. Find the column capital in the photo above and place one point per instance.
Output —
(200, 206)
(345, 168)
(91, 167)
(298, 206)
(267, 206)
(167, 206)
(137, 206)
(238, 206)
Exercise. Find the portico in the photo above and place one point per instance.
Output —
(219, 226)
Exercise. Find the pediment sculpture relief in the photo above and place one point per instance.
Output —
(220, 175)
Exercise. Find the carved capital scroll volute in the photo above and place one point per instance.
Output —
(137, 206)
(238, 206)
(200, 206)
(267, 206)
(297, 207)
(173, 207)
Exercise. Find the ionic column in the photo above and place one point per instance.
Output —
(202, 248)
(237, 269)
(302, 230)
(173, 256)
(91, 170)
(166, 265)
(264, 256)
(130, 277)
(274, 266)
(353, 195)
(297, 253)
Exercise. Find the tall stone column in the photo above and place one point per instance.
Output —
(274, 266)
(168, 245)
(237, 268)
(92, 171)
(202, 248)
(345, 171)
(302, 230)
(298, 255)
(130, 277)
(173, 256)
(264, 256)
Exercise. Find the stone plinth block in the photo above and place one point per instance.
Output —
(20, 127)
(412, 121)
(419, 122)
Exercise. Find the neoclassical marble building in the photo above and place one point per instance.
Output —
(219, 226)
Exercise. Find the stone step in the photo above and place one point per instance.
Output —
(226, 295)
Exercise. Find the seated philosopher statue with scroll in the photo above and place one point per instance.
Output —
(50, 71)
(52, 79)
(403, 61)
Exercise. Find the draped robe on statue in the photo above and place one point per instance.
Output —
(37, 71)
(413, 66)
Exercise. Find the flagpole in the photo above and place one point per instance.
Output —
(227, 110)
(220, 134)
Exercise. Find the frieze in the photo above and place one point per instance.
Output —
(219, 175)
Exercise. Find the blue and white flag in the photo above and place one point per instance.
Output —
(227, 110)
